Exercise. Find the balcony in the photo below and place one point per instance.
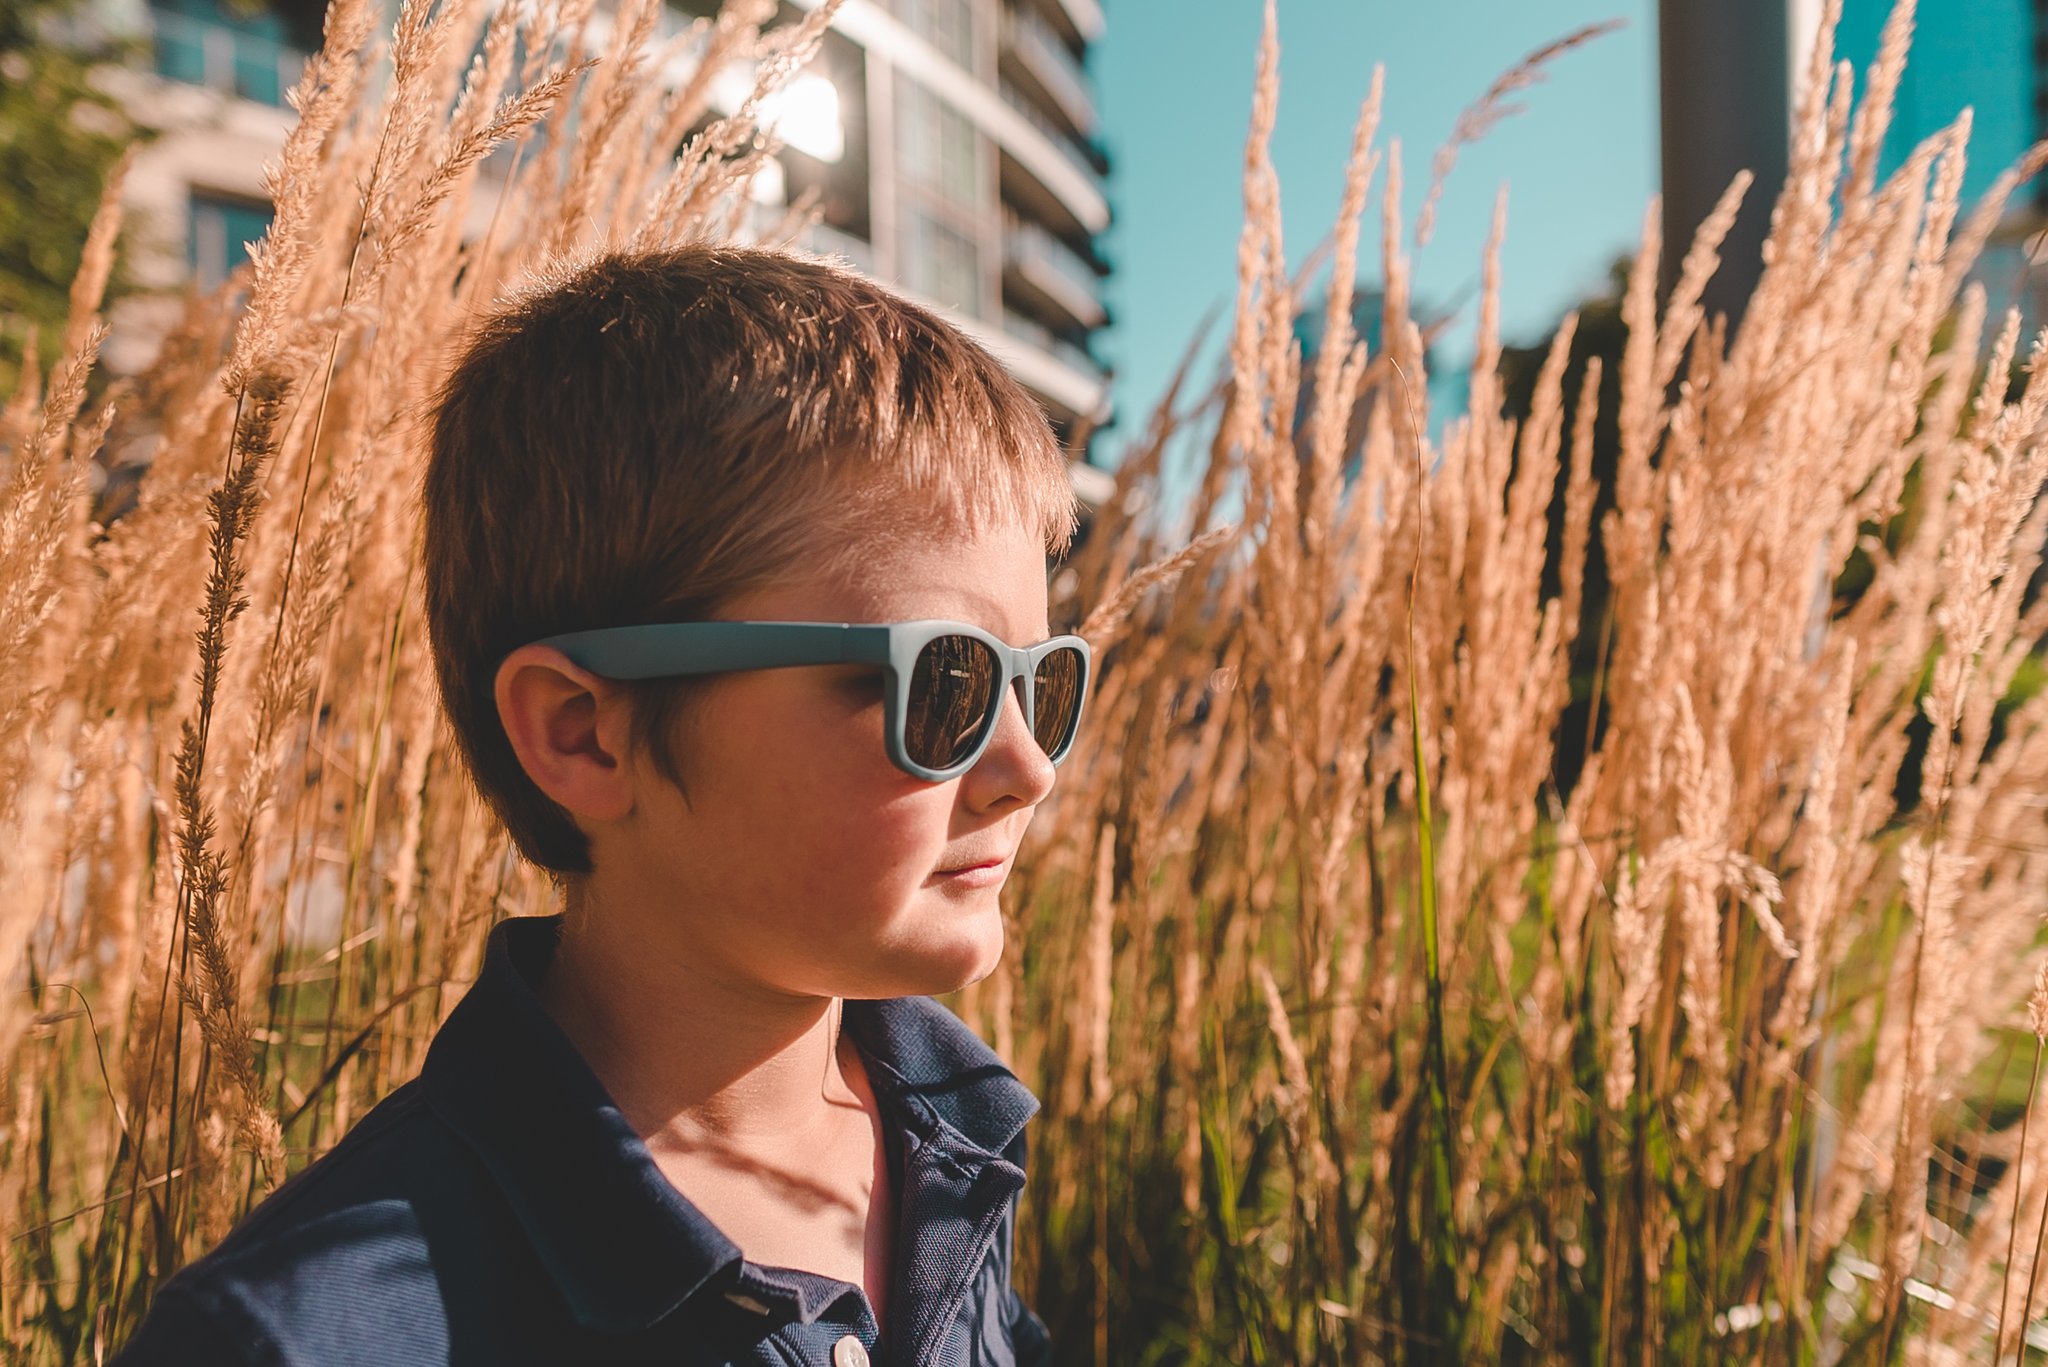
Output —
(1062, 141)
(1060, 373)
(1070, 383)
(1046, 340)
(1085, 16)
(1048, 62)
(1032, 163)
(222, 57)
(1053, 271)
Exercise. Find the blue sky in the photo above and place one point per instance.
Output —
(1174, 80)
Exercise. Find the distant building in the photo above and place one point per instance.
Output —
(213, 88)
(1730, 72)
(953, 145)
(1992, 56)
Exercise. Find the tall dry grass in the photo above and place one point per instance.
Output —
(1362, 1038)
(243, 880)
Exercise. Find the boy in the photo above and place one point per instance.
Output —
(707, 1115)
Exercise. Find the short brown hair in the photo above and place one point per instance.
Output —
(650, 435)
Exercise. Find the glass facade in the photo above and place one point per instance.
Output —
(939, 164)
(937, 147)
(220, 230)
(1981, 54)
(201, 43)
(947, 25)
(1988, 55)
(940, 262)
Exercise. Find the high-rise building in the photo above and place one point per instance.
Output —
(1730, 74)
(1990, 56)
(951, 145)
(954, 149)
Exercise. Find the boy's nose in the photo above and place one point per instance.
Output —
(1014, 765)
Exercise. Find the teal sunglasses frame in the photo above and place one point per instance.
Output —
(672, 649)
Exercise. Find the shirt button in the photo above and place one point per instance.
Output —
(849, 1353)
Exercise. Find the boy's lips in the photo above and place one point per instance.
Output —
(988, 862)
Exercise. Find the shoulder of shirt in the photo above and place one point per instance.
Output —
(370, 1163)
(310, 1249)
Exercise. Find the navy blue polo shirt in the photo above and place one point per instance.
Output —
(498, 1209)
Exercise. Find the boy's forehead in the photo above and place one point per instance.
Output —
(992, 576)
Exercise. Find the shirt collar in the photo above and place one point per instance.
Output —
(622, 1243)
(921, 1053)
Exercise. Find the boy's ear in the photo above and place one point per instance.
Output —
(571, 729)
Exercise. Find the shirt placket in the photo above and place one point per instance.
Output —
(951, 1206)
(953, 1203)
(842, 1338)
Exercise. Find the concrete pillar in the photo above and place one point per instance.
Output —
(1726, 105)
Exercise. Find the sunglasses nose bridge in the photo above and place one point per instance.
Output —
(1021, 683)
(1027, 693)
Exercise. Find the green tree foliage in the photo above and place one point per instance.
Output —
(59, 138)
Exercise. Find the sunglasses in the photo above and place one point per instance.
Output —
(944, 686)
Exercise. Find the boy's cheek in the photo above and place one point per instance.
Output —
(813, 804)
(888, 848)
(837, 831)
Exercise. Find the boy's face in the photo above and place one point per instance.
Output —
(804, 861)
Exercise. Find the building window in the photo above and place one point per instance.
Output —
(937, 146)
(947, 25)
(221, 228)
(939, 261)
(201, 43)
(941, 198)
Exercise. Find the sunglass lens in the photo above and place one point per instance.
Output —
(1057, 692)
(950, 689)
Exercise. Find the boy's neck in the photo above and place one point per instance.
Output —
(694, 1060)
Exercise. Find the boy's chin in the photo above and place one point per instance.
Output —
(960, 947)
